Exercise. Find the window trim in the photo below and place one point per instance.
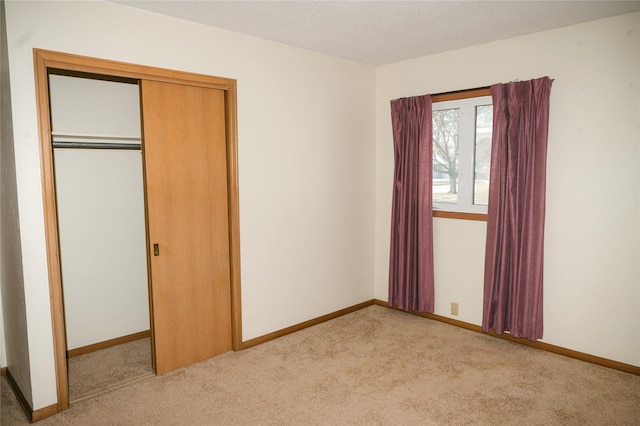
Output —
(459, 215)
(456, 96)
(461, 94)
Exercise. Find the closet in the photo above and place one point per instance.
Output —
(96, 139)
(141, 208)
(100, 202)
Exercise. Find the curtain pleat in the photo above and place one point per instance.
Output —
(513, 288)
(411, 282)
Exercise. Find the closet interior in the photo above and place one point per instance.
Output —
(99, 187)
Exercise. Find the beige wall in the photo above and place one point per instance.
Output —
(306, 127)
(592, 239)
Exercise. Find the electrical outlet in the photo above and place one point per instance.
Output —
(454, 308)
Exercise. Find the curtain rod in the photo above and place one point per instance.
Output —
(453, 92)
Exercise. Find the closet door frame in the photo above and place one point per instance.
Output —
(45, 61)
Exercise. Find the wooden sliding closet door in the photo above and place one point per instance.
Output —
(184, 145)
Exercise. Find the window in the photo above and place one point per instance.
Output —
(461, 153)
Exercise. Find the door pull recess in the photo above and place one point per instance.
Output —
(156, 249)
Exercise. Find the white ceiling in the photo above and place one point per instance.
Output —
(383, 32)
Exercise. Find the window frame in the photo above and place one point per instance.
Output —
(456, 211)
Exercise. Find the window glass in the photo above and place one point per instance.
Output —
(462, 154)
(482, 153)
(446, 132)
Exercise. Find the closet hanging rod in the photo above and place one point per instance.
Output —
(60, 135)
(96, 145)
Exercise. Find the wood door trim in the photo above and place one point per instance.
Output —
(233, 192)
(51, 232)
(45, 60)
(71, 62)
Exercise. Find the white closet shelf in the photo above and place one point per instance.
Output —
(57, 136)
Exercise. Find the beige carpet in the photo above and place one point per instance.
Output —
(374, 366)
(108, 369)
